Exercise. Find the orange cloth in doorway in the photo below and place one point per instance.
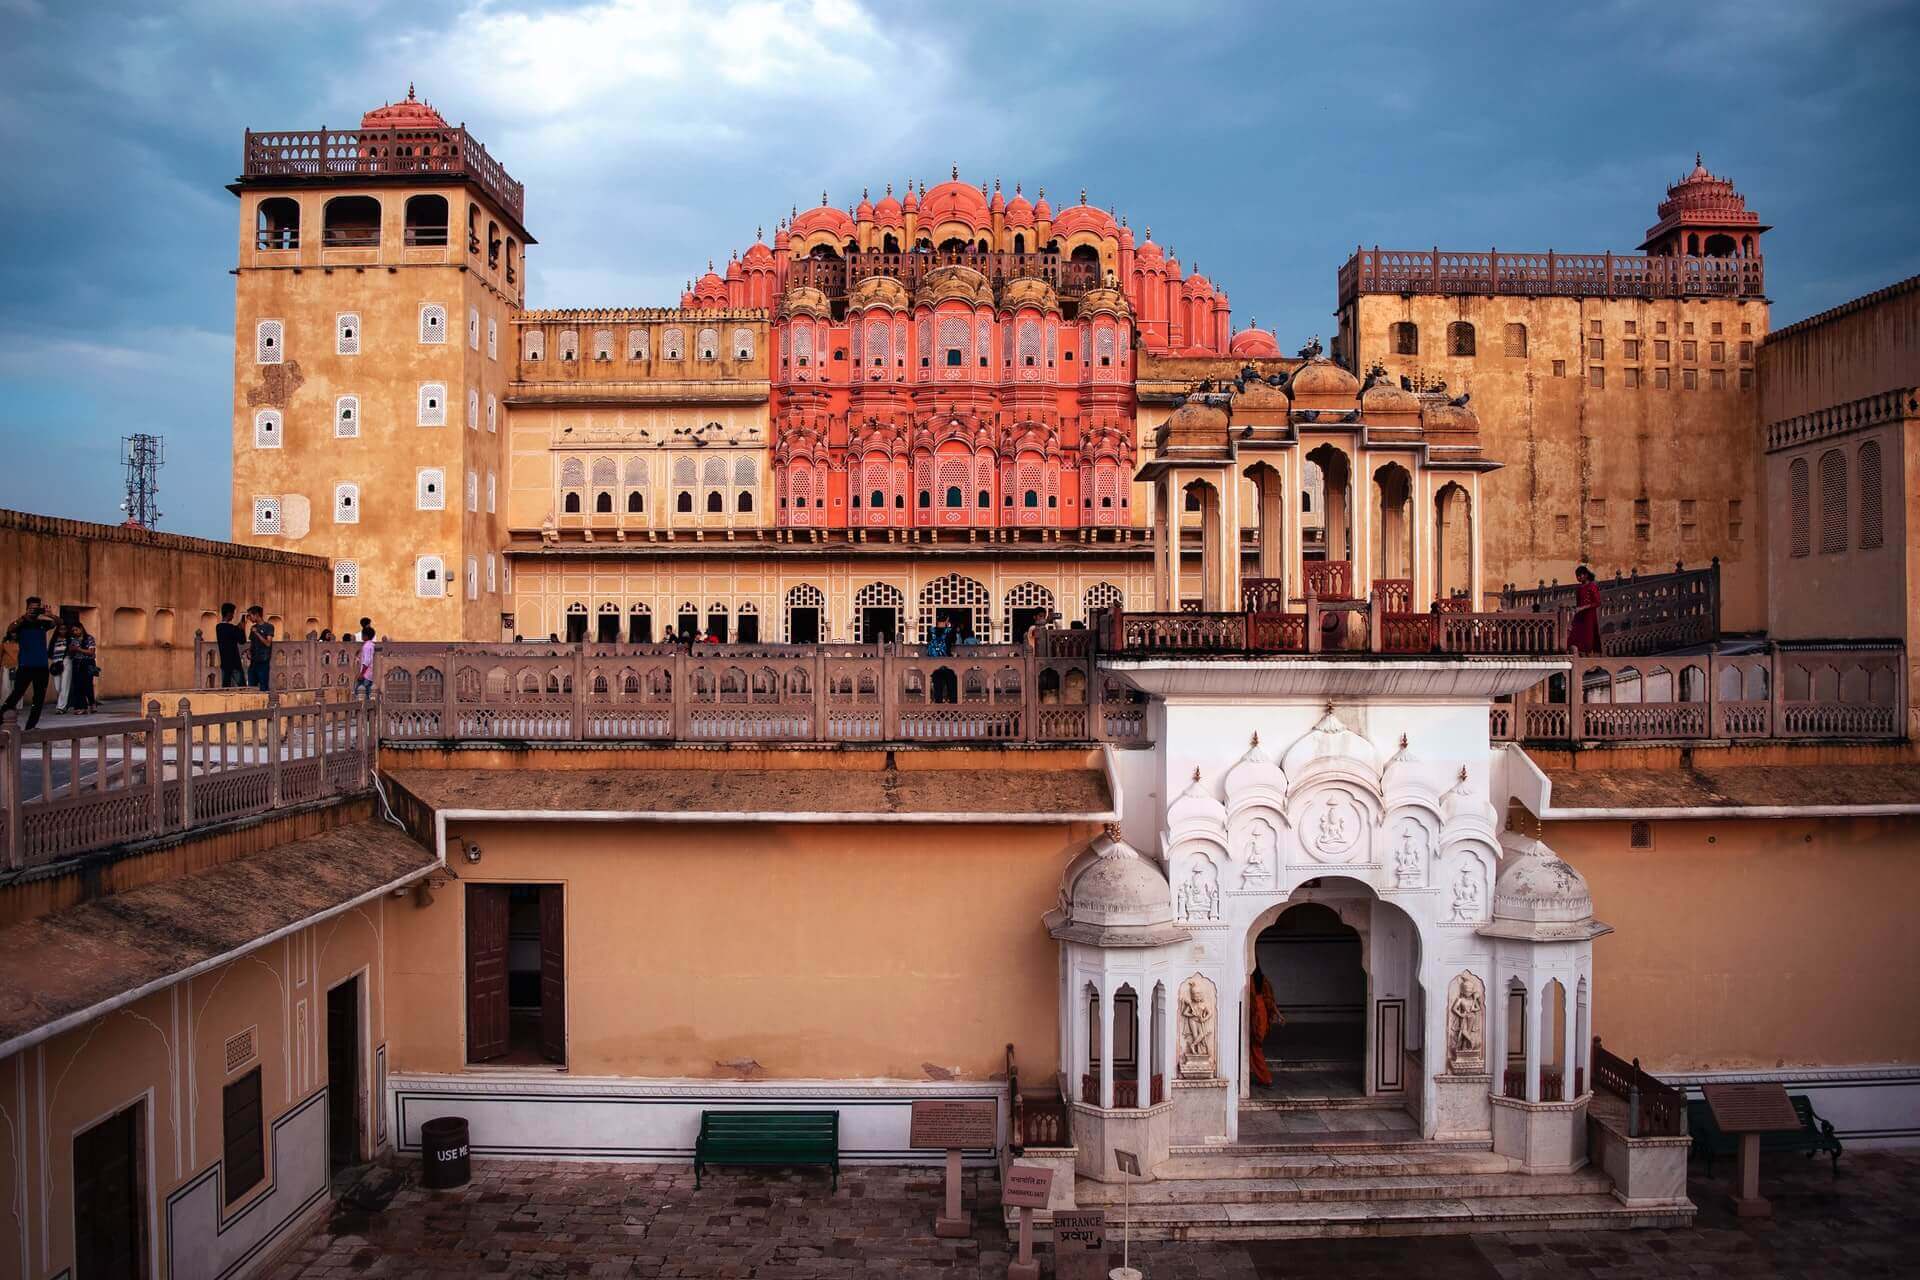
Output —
(1261, 1019)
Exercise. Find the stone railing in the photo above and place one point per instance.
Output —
(1839, 419)
(1567, 275)
(1833, 692)
(378, 153)
(1333, 626)
(1654, 1108)
(70, 790)
(1639, 613)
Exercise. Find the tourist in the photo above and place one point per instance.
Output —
(81, 670)
(59, 673)
(1262, 1018)
(940, 642)
(259, 649)
(363, 682)
(1585, 634)
(227, 638)
(29, 632)
(326, 635)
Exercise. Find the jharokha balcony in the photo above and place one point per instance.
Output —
(333, 154)
(836, 276)
(1543, 275)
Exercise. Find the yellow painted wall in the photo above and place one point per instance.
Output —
(1753, 943)
(817, 951)
(166, 1051)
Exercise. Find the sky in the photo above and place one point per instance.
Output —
(1261, 142)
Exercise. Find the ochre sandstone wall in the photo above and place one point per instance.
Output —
(143, 594)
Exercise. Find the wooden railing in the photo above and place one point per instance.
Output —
(1126, 1091)
(1640, 613)
(1844, 692)
(1571, 275)
(70, 790)
(1329, 579)
(1654, 1108)
(347, 153)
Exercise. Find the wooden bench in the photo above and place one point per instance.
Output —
(782, 1138)
(1814, 1134)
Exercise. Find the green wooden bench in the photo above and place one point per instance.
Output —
(782, 1138)
(1814, 1134)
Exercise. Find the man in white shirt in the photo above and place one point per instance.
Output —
(363, 686)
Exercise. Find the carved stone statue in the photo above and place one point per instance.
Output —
(1258, 873)
(1196, 1029)
(1466, 1025)
(1410, 857)
(1466, 894)
(1335, 832)
(1199, 896)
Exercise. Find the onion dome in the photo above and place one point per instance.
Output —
(887, 212)
(1408, 777)
(1106, 299)
(1331, 747)
(758, 253)
(1148, 251)
(1019, 211)
(879, 291)
(1255, 777)
(1324, 381)
(710, 289)
(1084, 217)
(1041, 209)
(408, 113)
(1195, 808)
(912, 202)
(805, 300)
(824, 218)
(950, 282)
(955, 201)
(1030, 291)
(1463, 806)
(1254, 344)
(1111, 896)
(1387, 398)
(1197, 286)
(733, 268)
(997, 204)
(1539, 896)
(863, 212)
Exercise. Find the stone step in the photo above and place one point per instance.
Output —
(1459, 1216)
(1357, 1102)
(1356, 1186)
(1343, 1143)
(1231, 1163)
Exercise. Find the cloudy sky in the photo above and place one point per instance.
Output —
(1262, 141)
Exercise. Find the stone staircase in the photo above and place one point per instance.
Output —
(1364, 1173)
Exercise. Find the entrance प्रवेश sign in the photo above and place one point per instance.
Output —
(1079, 1244)
(942, 1124)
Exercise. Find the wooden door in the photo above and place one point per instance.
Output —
(553, 974)
(343, 1075)
(486, 971)
(106, 1199)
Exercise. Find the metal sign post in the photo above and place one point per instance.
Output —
(1127, 1163)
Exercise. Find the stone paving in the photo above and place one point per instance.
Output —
(541, 1218)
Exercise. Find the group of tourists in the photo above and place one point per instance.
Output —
(42, 650)
(246, 651)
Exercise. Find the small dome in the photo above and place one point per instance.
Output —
(758, 254)
(710, 288)
(944, 283)
(1440, 417)
(1254, 344)
(1112, 896)
(1194, 424)
(1407, 775)
(805, 300)
(1195, 805)
(1149, 253)
(879, 291)
(824, 218)
(1084, 217)
(1029, 291)
(887, 212)
(1463, 805)
(1255, 772)
(998, 204)
(1388, 397)
(955, 201)
(1197, 286)
(1329, 742)
(1042, 211)
(1104, 299)
(1019, 209)
(1261, 395)
(1324, 379)
(408, 113)
(1540, 890)
(863, 212)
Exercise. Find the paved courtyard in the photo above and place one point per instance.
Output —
(539, 1218)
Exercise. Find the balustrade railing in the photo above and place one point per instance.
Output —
(1826, 691)
(1640, 613)
(1654, 1108)
(68, 790)
(1577, 275)
(325, 153)
(835, 276)
(1333, 626)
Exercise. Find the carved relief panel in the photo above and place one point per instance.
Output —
(1466, 1025)
(1198, 1016)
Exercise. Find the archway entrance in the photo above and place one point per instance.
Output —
(1313, 960)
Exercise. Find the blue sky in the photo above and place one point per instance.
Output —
(1260, 141)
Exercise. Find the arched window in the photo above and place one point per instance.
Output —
(346, 333)
(535, 344)
(985, 500)
(433, 323)
(433, 404)
(953, 495)
(493, 413)
(743, 344)
(429, 577)
(636, 344)
(636, 503)
(351, 222)
(277, 224)
(346, 417)
(715, 503)
(426, 221)
(473, 409)
(1460, 339)
(709, 344)
(346, 577)
(1030, 499)
(1797, 507)
(1516, 340)
(603, 503)
(430, 489)
(266, 429)
(683, 503)
(571, 505)
(569, 345)
(743, 502)
(1405, 336)
(673, 344)
(269, 342)
(1833, 502)
(346, 504)
(1871, 533)
(493, 338)
(603, 344)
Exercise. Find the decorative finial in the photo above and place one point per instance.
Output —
(1329, 706)
(709, 264)
(1403, 742)
(889, 189)
(823, 199)
(1196, 773)
(1149, 231)
(760, 233)
(1016, 188)
(1083, 195)
(996, 184)
(1255, 741)
(409, 91)
(1043, 193)
(1698, 163)
(1463, 773)
(956, 171)
(794, 211)
(863, 193)
(1113, 830)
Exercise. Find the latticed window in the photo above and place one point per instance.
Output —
(1103, 595)
(875, 595)
(266, 429)
(983, 340)
(953, 339)
(877, 349)
(346, 333)
(1833, 502)
(493, 413)
(266, 515)
(1516, 340)
(535, 344)
(1871, 533)
(1801, 542)
(684, 472)
(1405, 336)
(433, 404)
(1028, 346)
(430, 489)
(269, 342)
(673, 344)
(603, 344)
(429, 577)
(473, 328)
(346, 504)
(569, 345)
(490, 492)
(346, 417)
(473, 409)
(473, 490)
(433, 323)
(604, 473)
(715, 471)
(636, 344)
(743, 344)
(573, 473)
(1460, 339)
(473, 579)
(951, 591)
(346, 577)
(493, 338)
(805, 596)
(1103, 345)
(745, 472)
(709, 344)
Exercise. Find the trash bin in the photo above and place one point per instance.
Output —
(444, 1154)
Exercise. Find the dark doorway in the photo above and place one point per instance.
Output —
(607, 628)
(749, 632)
(687, 624)
(717, 627)
(803, 625)
(343, 1076)
(107, 1222)
(516, 974)
(640, 628)
(1314, 962)
(576, 628)
(961, 616)
(1024, 620)
(879, 625)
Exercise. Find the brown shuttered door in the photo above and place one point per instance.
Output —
(243, 1137)
(486, 971)
(553, 975)
(106, 1198)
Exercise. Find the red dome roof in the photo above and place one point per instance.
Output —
(955, 201)
(1254, 344)
(887, 212)
(1197, 286)
(1019, 212)
(1149, 253)
(409, 113)
(1084, 217)
(824, 218)
(758, 253)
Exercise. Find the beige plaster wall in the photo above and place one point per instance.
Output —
(1577, 461)
(1861, 348)
(166, 1053)
(816, 951)
(143, 594)
(1753, 943)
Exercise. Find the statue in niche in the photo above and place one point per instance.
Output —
(1337, 828)
(1199, 897)
(1466, 1026)
(1410, 857)
(1258, 873)
(1196, 1029)
(1466, 895)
